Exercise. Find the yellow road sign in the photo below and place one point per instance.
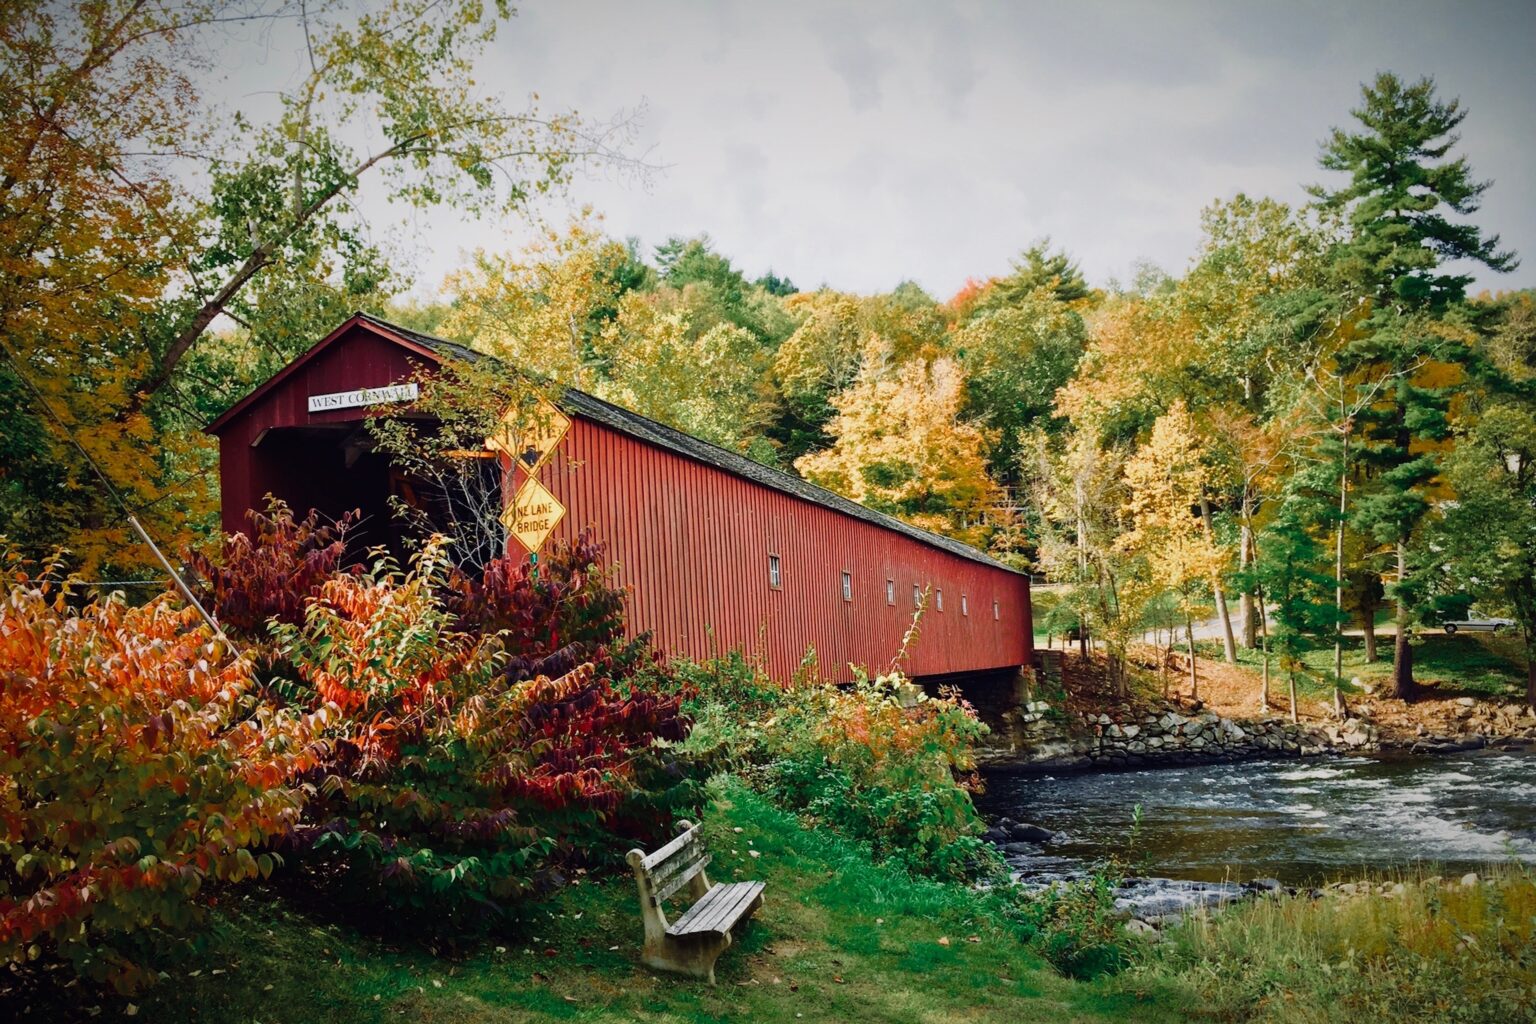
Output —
(530, 435)
(533, 514)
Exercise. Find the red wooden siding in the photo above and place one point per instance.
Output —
(248, 471)
(691, 540)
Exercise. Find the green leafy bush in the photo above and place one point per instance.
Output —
(880, 769)
(1075, 926)
(877, 761)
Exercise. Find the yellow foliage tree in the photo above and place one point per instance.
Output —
(901, 448)
(1139, 353)
(1165, 483)
(822, 355)
(88, 231)
(710, 384)
(134, 216)
(540, 310)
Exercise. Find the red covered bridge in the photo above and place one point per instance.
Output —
(718, 551)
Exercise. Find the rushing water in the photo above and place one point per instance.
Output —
(1301, 822)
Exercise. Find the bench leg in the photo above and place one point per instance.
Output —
(694, 956)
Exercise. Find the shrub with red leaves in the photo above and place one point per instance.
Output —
(556, 618)
(493, 731)
(495, 726)
(271, 572)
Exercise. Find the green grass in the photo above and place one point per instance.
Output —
(1427, 951)
(838, 938)
(1467, 664)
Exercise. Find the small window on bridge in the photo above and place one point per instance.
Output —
(997, 612)
(917, 596)
(775, 579)
(938, 599)
(847, 586)
(890, 592)
(965, 605)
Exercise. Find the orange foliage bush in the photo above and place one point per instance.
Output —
(136, 764)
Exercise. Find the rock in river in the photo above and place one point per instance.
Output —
(1030, 833)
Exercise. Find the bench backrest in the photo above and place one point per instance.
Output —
(672, 867)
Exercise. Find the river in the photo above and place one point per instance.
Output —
(1301, 822)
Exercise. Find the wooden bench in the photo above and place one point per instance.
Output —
(691, 944)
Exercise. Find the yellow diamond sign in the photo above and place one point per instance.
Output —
(530, 436)
(533, 514)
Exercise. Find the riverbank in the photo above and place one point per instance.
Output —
(1454, 950)
(1084, 724)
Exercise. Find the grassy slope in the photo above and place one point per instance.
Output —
(1467, 664)
(1426, 951)
(838, 939)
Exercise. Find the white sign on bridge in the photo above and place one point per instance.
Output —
(364, 396)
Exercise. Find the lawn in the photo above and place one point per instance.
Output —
(839, 938)
(1467, 664)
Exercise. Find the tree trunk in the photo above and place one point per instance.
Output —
(1403, 686)
(1402, 653)
(1194, 679)
(1295, 712)
(1247, 610)
(1338, 582)
(1080, 500)
(1228, 645)
(1530, 677)
(1264, 640)
(1163, 654)
(1368, 627)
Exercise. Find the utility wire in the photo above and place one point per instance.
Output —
(63, 427)
(121, 583)
(133, 520)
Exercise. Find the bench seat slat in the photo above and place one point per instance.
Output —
(719, 910)
(676, 845)
(730, 913)
(666, 888)
(720, 913)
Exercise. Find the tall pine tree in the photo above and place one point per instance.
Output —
(1404, 189)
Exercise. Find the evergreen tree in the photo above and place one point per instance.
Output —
(1487, 539)
(1290, 577)
(1037, 267)
(773, 284)
(1402, 192)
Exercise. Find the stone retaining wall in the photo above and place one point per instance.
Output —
(1039, 735)
(1169, 734)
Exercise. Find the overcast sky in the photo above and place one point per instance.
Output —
(860, 144)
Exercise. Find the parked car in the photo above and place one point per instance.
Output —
(1478, 624)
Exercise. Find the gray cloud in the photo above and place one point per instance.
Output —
(860, 144)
